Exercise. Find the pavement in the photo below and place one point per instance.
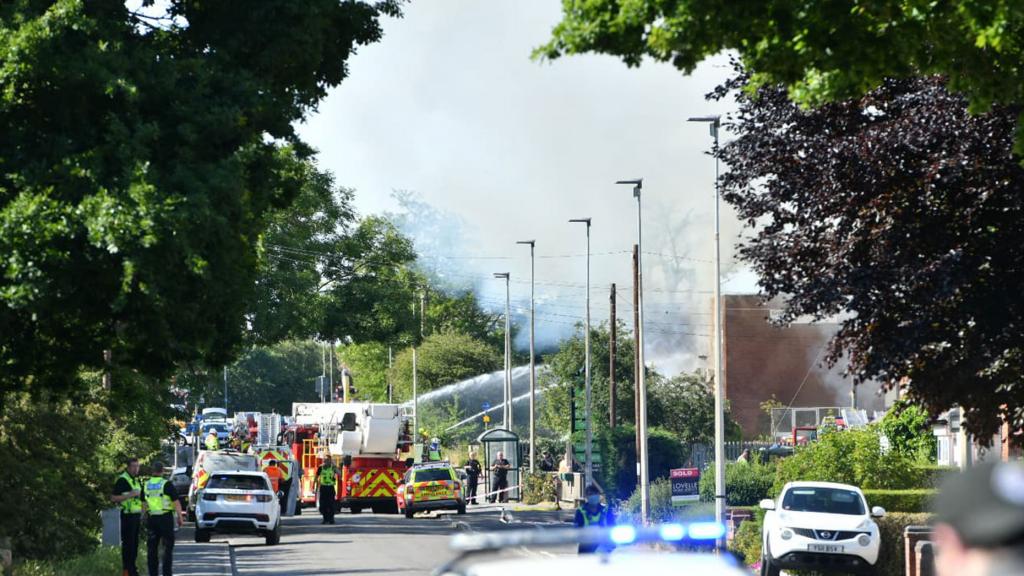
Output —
(356, 544)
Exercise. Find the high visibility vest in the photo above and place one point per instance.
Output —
(156, 501)
(327, 477)
(274, 473)
(434, 455)
(597, 519)
(212, 442)
(132, 505)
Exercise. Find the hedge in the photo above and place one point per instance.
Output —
(934, 474)
(917, 500)
(890, 558)
(746, 483)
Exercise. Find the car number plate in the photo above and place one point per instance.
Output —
(235, 498)
(829, 548)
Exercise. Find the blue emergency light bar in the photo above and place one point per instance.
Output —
(625, 534)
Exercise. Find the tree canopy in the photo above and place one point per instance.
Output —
(442, 358)
(902, 215)
(142, 156)
(820, 51)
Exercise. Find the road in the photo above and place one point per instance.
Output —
(357, 544)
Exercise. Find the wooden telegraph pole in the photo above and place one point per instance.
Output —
(611, 362)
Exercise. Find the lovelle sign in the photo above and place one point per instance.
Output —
(685, 485)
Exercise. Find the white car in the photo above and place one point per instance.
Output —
(238, 502)
(819, 526)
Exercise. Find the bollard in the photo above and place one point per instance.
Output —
(911, 536)
(925, 553)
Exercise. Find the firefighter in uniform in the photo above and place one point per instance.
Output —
(128, 494)
(163, 512)
(326, 479)
(593, 513)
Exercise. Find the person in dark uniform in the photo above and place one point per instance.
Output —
(326, 480)
(128, 494)
(473, 470)
(163, 511)
(593, 513)
(500, 468)
(979, 522)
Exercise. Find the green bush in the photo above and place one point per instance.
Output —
(908, 428)
(538, 487)
(851, 457)
(914, 500)
(746, 483)
(890, 556)
(618, 456)
(661, 506)
(932, 475)
(746, 542)
(102, 561)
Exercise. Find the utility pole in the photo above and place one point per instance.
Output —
(323, 374)
(225, 387)
(415, 375)
(611, 361)
(390, 362)
(533, 375)
(636, 355)
(588, 468)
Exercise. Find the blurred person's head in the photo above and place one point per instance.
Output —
(979, 528)
(156, 468)
(500, 455)
(593, 494)
(132, 466)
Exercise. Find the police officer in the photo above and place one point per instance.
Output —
(212, 441)
(326, 479)
(593, 513)
(979, 528)
(163, 511)
(128, 494)
(473, 471)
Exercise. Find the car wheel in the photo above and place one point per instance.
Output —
(202, 536)
(274, 536)
(461, 509)
(191, 515)
(408, 512)
(767, 568)
(356, 510)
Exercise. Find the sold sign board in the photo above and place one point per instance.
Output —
(685, 485)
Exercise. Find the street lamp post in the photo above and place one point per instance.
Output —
(589, 463)
(533, 377)
(645, 485)
(714, 122)
(506, 414)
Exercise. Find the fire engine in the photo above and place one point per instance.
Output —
(371, 442)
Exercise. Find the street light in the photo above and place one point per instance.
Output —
(645, 487)
(506, 414)
(533, 378)
(589, 462)
(714, 122)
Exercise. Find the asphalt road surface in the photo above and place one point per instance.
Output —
(356, 544)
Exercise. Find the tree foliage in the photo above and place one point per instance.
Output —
(908, 428)
(685, 405)
(903, 213)
(821, 51)
(442, 358)
(368, 363)
(142, 156)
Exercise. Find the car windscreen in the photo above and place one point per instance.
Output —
(433, 474)
(218, 427)
(215, 462)
(827, 500)
(237, 482)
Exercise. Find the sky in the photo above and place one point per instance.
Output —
(450, 106)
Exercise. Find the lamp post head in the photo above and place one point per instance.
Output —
(714, 121)
(637, 184)
(530, 242)
(583, 220)
(504, 275)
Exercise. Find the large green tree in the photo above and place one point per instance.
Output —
(443, 358)
(820, 50)
(142, 155)
(685, 405)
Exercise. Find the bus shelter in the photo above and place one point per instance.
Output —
(500, 440)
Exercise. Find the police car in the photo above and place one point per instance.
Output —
(518, 552)
(433, 486)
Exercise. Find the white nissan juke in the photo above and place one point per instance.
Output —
(819, 526)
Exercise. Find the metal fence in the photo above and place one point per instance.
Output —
(701, 455)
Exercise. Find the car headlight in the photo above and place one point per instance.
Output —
(864, 540)
(786, 534)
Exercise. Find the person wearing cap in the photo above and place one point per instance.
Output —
(593, 513)
(212, 441)
(163, 511)
(127, 494)
(979, 522)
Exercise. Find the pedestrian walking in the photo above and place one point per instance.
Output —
(473, 471)
(127, 494)
(163, 513)
(979, 529)
(326, 480)
(500, 468)
(592, 513)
